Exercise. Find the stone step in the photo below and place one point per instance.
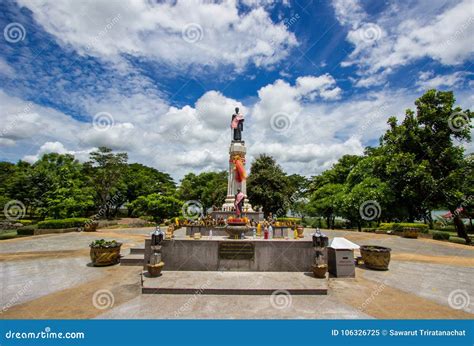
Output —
(137, 251)
(132, 260)
(234, 283)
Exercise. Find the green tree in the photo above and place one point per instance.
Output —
(158, 206)
(427, 136)
(210, 188)
(59, 187)
(326, 201)
(105, 170)
(327, 189)
(141, 180)
(267, 185)
(365, 201)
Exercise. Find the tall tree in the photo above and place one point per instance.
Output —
(105, 170)
(428, 136)
(210, 188)
(156, 205)
(268, 185)
(60, 188)
(140, 180)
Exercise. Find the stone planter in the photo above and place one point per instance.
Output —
(91, 226)
(155, 269)
(105, 256)
(375, 257)
(410, 233)
(300, 230)
(319, 270)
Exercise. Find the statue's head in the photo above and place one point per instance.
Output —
(236, 110)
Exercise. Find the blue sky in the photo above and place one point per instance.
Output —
(315, 79)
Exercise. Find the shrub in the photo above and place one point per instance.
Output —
(26, 222)
(8, 235)
(386, 226)
(289, 219)
(440, 235)
(64, 223)
(399, 226)
(341, 224)
(101, 243)
(450, 228)
(457, 240)
(27, 230)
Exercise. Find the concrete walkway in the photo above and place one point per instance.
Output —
(49, 277)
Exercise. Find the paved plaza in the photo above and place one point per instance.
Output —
(49, 277)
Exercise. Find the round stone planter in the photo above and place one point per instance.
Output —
(410, 233)
(155, 269)
(235, 231)
(105, 256)
(319, 270)
(375, 257)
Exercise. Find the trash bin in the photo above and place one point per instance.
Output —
(341, 257)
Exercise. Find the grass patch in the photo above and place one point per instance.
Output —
(8, 234)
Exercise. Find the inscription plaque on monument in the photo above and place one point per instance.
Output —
(236, 250)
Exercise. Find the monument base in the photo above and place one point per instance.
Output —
(220, 253)
(234, 283)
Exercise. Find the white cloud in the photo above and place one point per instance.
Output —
(6, 69)
(196, 137)
(428, 80)
(404, 33)
(323, 86)
(177, 34)
(57, 147)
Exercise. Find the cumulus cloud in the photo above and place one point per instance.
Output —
(429, 80)
(57, 147)
(405, 33)
(318, 134)
(211, 34)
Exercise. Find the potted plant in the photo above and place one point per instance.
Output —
(375, 257)
(104, 252)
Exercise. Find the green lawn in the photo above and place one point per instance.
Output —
(8, 234)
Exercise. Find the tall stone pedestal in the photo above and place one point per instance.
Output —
(237, 149)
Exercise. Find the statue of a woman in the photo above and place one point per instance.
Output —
(239, 202)
(237, 125)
